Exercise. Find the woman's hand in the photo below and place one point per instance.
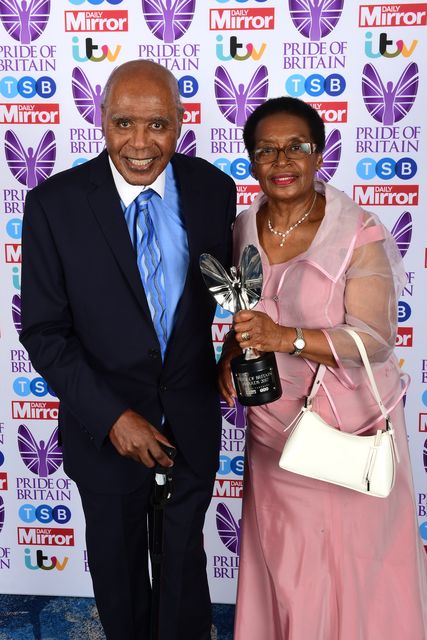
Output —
(257, 330)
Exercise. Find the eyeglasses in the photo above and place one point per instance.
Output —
(293, 151)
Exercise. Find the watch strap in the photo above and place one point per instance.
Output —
(300, 337)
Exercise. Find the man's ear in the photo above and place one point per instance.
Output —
(102, 120)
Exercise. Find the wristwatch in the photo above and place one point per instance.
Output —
(299, 342)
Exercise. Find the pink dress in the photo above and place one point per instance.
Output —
(320, 562)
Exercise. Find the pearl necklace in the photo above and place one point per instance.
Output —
(284, 234)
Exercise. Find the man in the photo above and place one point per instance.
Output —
(127, 382)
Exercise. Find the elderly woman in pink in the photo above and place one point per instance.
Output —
(318, 561)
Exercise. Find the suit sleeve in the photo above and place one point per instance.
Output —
(47, 330)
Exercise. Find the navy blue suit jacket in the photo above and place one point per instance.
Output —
(88, 329)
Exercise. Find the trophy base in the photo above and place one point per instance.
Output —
(257, 381)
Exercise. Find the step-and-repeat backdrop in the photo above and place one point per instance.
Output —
(361, 64)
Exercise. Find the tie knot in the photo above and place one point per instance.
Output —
(144, 197)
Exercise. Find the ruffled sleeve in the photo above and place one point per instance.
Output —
(375, 278)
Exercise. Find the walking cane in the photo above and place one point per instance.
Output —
(162, 493)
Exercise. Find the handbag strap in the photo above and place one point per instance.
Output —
(321, 370)
(362, 350)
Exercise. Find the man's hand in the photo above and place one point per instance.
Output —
(134, 437)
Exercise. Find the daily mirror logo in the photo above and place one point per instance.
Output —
(26, 410)
(96, 21)
(259, 19)
(315, 20)
(168, 20)
(385, 195)
(393, 15)
(24, 20)
(36, 113)
(246, 194)
(42, 536)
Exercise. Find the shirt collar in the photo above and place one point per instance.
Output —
(128, 192)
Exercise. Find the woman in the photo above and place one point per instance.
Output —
(320, 562)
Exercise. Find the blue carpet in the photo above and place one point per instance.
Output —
(60, 618)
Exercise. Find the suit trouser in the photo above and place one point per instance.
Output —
(117, 547)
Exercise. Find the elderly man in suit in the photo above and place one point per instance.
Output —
(127, 346)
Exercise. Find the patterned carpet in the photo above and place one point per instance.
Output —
(60, 618)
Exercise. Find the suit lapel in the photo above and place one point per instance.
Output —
(105, 204)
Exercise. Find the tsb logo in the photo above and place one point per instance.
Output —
(45, 514)
(27, 87)
(95, 2)
(404, 311)
(239, 169)
(230, 465)
(386, 168)
(315, 85)
(188, 86)
(37, 386)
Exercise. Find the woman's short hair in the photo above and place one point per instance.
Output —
(285, 105)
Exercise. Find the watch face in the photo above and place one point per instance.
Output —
(299, 343)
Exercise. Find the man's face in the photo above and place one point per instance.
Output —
(141, 125)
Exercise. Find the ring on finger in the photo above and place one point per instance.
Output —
(246, 336)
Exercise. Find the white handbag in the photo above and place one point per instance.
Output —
(318, 450)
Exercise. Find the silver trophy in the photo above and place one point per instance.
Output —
(256, 377)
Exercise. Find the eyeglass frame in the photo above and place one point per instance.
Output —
(311, 145)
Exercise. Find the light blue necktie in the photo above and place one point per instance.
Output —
(149, 260)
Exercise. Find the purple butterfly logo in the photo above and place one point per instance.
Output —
(389, 103)
(228, 529)
(315, 19)
(41, 458)
(236, 104)
(402, 232)
(1, 513)
(24, 20)
(187, 144)
(86, 99)
(16, 312)
(331, 156)
(236, 416)
(168, 20)
(30, 167)
(425, 455)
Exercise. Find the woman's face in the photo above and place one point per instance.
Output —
(284, 179)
